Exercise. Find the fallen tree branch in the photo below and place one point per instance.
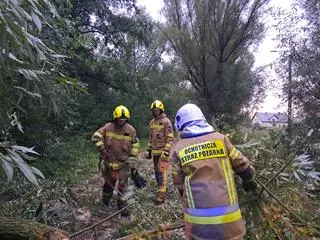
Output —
(285, 207)
(278, 201)
(27, 229)
(100, 222)
(304, 225)
(289, 161)
(279, 172)
(163, 228)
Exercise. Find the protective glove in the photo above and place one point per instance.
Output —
(138, 179)
(164, 156)
(248, 176)
(249, 186)
(164, 161)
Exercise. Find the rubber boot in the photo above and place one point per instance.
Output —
(122, 204)
(106, 198)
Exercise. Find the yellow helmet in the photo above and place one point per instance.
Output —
(121, 111)
(157, 104)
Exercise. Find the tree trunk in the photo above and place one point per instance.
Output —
(18, 229)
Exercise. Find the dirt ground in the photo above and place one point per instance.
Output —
(88, 209)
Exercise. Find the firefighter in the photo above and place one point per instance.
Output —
(159, 145)
(118, 146)
(203, 166)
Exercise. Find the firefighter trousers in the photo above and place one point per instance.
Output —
(115, 179)
(161, 176)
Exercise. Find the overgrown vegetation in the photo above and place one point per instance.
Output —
(65, 65)
(70, 197)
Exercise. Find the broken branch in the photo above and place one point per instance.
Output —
(100, 222)
(161, 229)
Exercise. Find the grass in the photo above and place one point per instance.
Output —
(72, 160)
(69, 161)
(143, 144)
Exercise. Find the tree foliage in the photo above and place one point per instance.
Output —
(306, 89)
(29, 75)
(213, 40)
(299, 35)
(109, 50)
(115, 54)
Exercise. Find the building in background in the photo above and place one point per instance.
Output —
(269, 120)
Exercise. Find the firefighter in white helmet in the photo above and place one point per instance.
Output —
(203, 166)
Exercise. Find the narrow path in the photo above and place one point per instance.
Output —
(145, 215)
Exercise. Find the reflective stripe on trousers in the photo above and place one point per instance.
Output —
(161, 176)
(218, 215)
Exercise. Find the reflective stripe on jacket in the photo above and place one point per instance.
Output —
(122, 143)
(203, 167)
(160, 134)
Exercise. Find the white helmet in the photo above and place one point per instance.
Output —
(187, 113)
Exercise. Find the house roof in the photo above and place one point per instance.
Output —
(268, 116)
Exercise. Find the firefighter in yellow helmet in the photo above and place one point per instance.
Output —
(203, 166)
(118, 146)
(159, 145)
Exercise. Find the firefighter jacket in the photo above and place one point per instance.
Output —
(160, 135)
(203, 170)
(122, 143)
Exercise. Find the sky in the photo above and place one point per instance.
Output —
(263, 55)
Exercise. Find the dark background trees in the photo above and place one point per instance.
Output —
(65, 65)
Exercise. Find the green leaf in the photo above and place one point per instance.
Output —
(6, 166)
(28, 74)
(24, 149)
(23, 13)
(14, 156)
(11, 56)
(19, 126)
(27, 157)
(15, 12)
(36, 21)
(37, 172)
(27, 172)
(32, 94)
(58, 56)
(23, 166)
(16, 31)
(55, 106)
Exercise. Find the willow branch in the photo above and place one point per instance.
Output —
(285, 207)
(100, 222)
(161, 229)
